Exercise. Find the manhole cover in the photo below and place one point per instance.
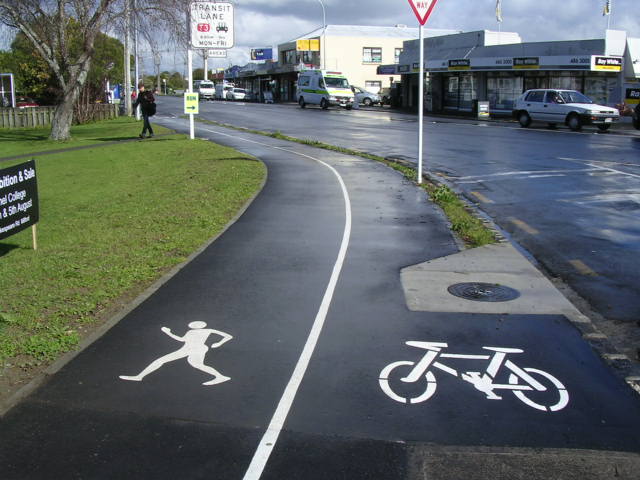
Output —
(483, 292)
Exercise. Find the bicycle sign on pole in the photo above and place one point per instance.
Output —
(524, 382)
(422, 9)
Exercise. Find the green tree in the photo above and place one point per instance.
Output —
(64, 34)
(176, 81)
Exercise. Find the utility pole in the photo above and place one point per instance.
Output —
(127, 57)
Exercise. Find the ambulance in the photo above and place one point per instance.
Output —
(320, 87)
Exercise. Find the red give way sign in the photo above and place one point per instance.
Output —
(422, 9)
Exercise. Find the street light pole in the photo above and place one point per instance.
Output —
(323, 54)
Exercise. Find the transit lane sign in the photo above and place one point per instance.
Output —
(211, 25)
(191, 103)
(422, 9)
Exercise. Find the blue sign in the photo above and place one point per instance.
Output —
(261, 54)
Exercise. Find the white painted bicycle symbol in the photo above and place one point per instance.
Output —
(523, 382)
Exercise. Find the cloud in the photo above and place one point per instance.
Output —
(264, 23)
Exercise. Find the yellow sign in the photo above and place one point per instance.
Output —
(308, 45)
(191, 103)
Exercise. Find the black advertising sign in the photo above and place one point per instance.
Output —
(611, 64)
(526, 63)
(633, 96)
(460, 64)
(18, 198)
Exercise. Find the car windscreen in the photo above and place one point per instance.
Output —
(574, 97)
(205, 85)
(336, 82)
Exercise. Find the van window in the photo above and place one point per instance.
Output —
(205, 85)
(304, 81)
(336, 82)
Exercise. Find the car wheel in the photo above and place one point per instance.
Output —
(604, 128)
(301, 102)
(324, 104)
(524, 119)
(367, 102)
(574, 122)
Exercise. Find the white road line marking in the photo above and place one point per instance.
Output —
(592, 164)
(528, 172)
(269, 439)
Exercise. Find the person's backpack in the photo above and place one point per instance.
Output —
(149, 104)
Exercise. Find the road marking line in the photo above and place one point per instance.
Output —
(592, 163)
(528, 172)
(523, 226)
(270, 437)
(583, 268)
(481, 197)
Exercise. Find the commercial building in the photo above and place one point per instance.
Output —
(497, 67)
(356, 51)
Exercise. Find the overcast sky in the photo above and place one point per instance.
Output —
(265, 23)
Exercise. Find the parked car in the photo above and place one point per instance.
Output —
(365, 97)
(568, 107)
(236, 94)
(25, 102)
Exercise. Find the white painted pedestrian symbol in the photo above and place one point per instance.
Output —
(523, 382)
(194, 350)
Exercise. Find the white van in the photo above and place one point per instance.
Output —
(205, 89)
(222, 89)
(320, 87)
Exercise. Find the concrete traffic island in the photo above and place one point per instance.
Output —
(426, 284)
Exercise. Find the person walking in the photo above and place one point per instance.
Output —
(147, 107)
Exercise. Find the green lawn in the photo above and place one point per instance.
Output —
(112, 220)
(30, 140)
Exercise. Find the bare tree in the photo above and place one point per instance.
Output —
(51, 25)
(48, 25)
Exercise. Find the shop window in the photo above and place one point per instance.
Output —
(599, 88)
(467, 92)
(373, 86)
(502, 92)
(451, 93)
(372, 55)
(290, 57)
(566, 82)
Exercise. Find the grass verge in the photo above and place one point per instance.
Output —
(112, 220)
(20, 141)
(467, 226)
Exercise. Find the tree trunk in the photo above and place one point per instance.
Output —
(63, 117)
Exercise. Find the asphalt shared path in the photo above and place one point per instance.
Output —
(286, 350)
(569, 198)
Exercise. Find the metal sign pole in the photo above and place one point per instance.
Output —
(420, 106)
(190, 90)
